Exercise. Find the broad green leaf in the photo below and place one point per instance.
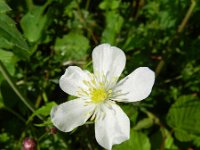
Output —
(9, 32)
(4, 7)
(114, 24)
(5, 44)
(183, 136)
(34, 23)
(183, 117)
(72, 46)
(137, 141)
(9, 60)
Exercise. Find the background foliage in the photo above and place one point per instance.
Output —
(40, 38)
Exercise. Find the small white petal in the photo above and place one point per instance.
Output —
(136, 86)
(113, 128)
(71, 114)
(108, 60)
(72, 80)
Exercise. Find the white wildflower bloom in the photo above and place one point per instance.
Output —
(98, 93)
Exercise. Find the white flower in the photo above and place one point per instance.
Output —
(98, 93)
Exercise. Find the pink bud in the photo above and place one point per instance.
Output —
(29, 144)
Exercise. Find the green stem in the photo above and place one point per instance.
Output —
(82, 19)
(187, 16)
(87, 4)
(88, 64)
(29, 4)
(8, 78)
(44, 96)
(159, 67)
(42, 136)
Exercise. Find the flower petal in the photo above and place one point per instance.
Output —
(109, 61)
(71, 114)
(113, 128)
(72, 80)
(136, 86)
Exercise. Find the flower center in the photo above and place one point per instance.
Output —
(98, 95)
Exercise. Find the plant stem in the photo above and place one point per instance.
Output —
(187, 16)
(82, 19)
(159, 67)
(15, 113)
(87, 4)
(42, 136)
(8, 78)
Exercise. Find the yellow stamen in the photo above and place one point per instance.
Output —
(98, 95)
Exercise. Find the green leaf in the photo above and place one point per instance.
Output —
(44, 110)
(109, 4)
(45, 123)
(5, 44)
(1, 101)
(70, 7)
(144, 123)
(72, 46)
(131, 112)
(114, 24)
(14, 87)
(197, 141)
(9, 60)
(9, 32)
(182, 135)
(4, 137)
(183, 117)
(169, 141)
(165, 20)
(162, 138)
(4, 7)
(137, 141)
(34, 23)
(10, 99)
